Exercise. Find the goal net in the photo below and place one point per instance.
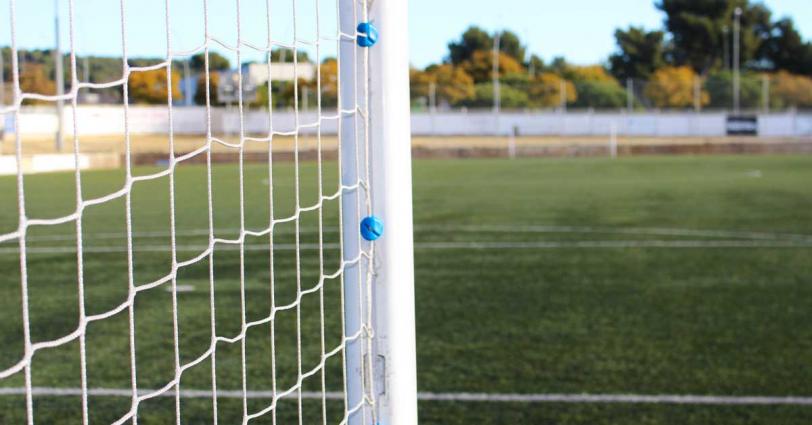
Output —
(225, 264)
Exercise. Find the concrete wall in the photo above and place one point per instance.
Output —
(98, 120)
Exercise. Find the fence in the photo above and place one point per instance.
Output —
(191, 121)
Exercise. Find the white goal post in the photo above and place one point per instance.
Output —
(392, 360)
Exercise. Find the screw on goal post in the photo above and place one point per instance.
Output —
(367, 34)
(371, 228)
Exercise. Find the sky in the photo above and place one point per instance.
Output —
(580, 30)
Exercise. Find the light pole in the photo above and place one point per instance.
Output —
(60, 83)
(187, 83)
(765, 93)
(629, 95)
(2, 80)
(497, 93)
(736, 53)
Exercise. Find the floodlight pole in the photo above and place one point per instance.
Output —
(60, 80)
(765, 93)
(2, 80)
(697, 94)
(497, 92)
(432, 97)
(187, 83)
(562, 91)
(630, 94)
(736, 53)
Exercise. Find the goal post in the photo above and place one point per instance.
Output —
(388, 365)
(392, 200)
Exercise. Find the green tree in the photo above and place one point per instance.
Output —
(639, 53)
(600, 94)
(217, 62)
(698, 34)
(509, 97)
(476, 39)
(535, 65)
(720, 87)
(283, 54)
(472, 40)
(785, 49)
(511, 45)
(200, 93)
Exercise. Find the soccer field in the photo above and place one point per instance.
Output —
(644, 276)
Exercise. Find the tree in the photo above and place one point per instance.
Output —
(509, 97)
(34, 80)
(543, 90)
(673, 87)
(639, 53)
(510, 44)
(785, 49)
(472, 40)
(420, 81)
(329, 82)
(283, 54)
(599, 94)
(217, 62)
(151, 87)
(480, 65)
(595, 73)
(788, 90)
(200, 93)
(535, 65)
(720, 87)
(698, 34)
(476, 39)
(454, 85)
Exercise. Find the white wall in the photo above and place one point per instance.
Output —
(98, 120)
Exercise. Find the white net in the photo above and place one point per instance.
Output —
(190, 290)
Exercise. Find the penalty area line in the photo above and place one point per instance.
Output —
(687, 399)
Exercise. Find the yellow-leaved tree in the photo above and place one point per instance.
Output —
(480, 66)
(150, 86)
(453, 84)
(546, 89)
(34, 80)
(790, 90)
(673, 87)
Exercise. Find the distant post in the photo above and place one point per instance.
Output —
(765, 93)
(497, 93)
(187, 83)
(697, 94)
(736, 53)
(562, 91)
(630, 94)
(60, 80)
(2, 80)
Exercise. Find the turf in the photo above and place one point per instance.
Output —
(698, 320)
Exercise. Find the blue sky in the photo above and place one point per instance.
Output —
(580, 30)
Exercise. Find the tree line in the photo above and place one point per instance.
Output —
(685, 64)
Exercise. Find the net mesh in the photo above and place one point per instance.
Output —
(304, 261)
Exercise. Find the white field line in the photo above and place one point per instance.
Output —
(454, 397)
(610, 244)
(651, 231)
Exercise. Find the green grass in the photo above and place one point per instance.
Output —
(716, 321)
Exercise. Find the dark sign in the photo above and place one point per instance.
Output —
(742, 125)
